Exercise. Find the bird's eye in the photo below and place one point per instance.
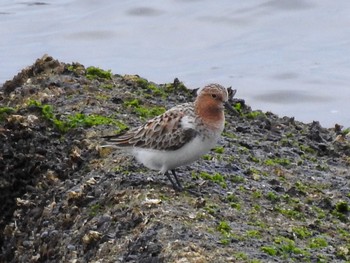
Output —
(214, 95)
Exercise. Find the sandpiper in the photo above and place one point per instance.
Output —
(179, 136)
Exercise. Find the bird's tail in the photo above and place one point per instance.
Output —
(117, 141)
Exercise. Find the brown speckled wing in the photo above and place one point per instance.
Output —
(164, 132)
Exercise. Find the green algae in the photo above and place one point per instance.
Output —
(143, 111)
(97, 73)
(5, 111)
(74, 120)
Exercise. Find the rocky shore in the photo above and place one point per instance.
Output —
(273, 190)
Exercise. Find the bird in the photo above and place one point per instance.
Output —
(179, 136)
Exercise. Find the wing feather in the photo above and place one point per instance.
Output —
(165, 132)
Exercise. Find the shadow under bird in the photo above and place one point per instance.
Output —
(180, 135)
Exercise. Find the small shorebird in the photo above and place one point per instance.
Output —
(179, 136)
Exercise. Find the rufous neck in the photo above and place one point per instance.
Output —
(210, 112)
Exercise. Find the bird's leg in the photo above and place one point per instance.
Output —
(175, 185)
(176, 179)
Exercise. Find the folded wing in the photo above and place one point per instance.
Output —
(165, 132)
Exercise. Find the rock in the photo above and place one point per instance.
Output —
(279, 189)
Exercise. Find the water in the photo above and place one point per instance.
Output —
(288, 57)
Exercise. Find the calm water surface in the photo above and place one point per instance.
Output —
(288, 57)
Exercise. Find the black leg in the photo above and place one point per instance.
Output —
(175, 186)
(176, 179)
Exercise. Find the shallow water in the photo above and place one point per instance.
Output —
(288, 57)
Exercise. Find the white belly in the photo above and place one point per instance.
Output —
(168, 160)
